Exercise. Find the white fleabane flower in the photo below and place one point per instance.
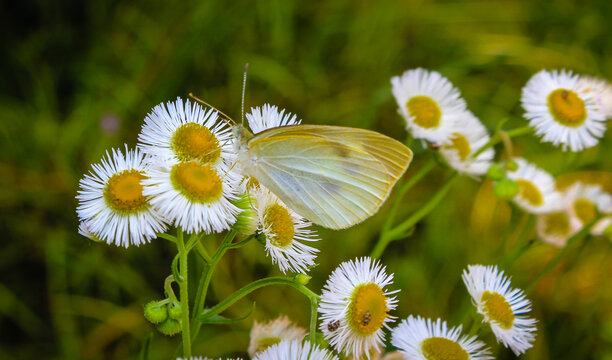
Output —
(264, 335)
(203, 358)
(429, 103)
(295, 350)
(84, 230)
(502, 306)
(537, 188)
(586, 202)
(557, 227)
(601, 91)
(269, 116)
(112, 204)
(467, 138)
(424, 339)
(196, 196)
(183, 131)
(561, 109)
(354, 307)
(285, 231)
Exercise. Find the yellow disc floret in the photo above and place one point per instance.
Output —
(567, 107)
(368, 309)
(425, 111)
(498, 309)
(193, 141)
(530, 192)
(123, 192)
(198, 182)
(280, 225)
(461, 144)
(556, 223)
(586, 211)
(439, 348)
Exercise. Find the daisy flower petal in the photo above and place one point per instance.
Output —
(502, 306)
(295, 350)
(354, 307)
(560, 107)
(268, 116)
(429, 103)
(112, 204)
(424, 339)
(264, 335)
(537, 188)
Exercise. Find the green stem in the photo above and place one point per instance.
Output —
(497, 138)
(183, 284)
(402, 191)
(520, 245)
(400, 229)
(249, 288)
(554, 261)
(209, 269)
(314, 305)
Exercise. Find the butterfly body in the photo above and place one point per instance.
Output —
(333, 176)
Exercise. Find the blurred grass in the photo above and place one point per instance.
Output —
(79, 77)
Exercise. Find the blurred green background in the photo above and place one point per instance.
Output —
(79, 77)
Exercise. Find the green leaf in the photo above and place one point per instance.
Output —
(146, 345)
(218, 319)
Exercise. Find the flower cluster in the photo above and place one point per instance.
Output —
(183, 173)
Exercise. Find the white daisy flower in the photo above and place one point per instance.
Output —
(203, 358)
(501, 306)
(285, 231)
(264, 335)
(601, 90)
(561, 109)
(429, 103)
(196, 196)
(424, 339)
(183, 131)
(295, 350)
(557, 227)
(112, 203)
(537, 188)
(268, 116)
(585, 202)
(467, 138)
(354, 307)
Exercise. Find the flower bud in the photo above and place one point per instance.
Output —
(506, 189)
(511, 165)
(169, 327)
(156, 311)
(175, 312)
(496, 172)
(246, 221)
(302, 279)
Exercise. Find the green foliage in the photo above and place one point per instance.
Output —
(79, 77)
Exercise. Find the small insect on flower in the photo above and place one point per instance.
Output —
(423, 339)
(502, 306)
(264, 335)
(537, 193)
(563, 110)
(429, 103)
(295, 350)
(354, 307)
(112, 204)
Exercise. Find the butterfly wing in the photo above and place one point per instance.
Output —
(333, 176)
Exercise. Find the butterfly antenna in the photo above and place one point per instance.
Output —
(246, 67)
(227, 118)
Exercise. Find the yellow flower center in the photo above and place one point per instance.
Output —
(198, 182)
(461, 144)
(265, 343)
(556, 223)
(530, 192)
(123, 192)
(586, 211)
(425, 111)
(439, 348)
(280, 224)
(498, 309)
(193, 141)
(368, 309)
(567, 107)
